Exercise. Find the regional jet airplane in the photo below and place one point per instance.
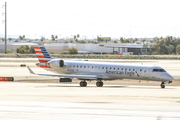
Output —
(88, 71)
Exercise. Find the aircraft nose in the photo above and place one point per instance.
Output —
(170, 77)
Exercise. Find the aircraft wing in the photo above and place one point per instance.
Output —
(91, 77)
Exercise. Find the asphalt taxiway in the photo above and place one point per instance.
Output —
(69, 101)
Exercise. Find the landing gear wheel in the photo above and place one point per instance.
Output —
(83, 84)
(162, 85)
(99, 84)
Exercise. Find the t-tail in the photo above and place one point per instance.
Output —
(42, 55)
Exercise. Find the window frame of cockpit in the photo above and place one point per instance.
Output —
(158, 70)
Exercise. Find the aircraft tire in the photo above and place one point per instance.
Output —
(83, 84)
(162, 85)
(99, 84)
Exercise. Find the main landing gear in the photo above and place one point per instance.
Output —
(83, 83)
(99, 83)
(162, 85)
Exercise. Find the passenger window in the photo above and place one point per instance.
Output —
(121, 68)
(84, 66)
(106, 67)
(133, 69)
(140, 70)
(114, 68)
(125, 69)
(110, 68)
(73, 65)
(129, 69)
(102, 67)
(98, 67)
(117, 68)
(77, 66)
(92, 67)
(88, 66)
(80, 66)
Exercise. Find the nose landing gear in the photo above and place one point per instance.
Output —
(166, 82)
(162, 85)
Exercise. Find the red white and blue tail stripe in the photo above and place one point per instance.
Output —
(42, 54)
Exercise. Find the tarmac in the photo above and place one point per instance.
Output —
(34, 101)
(36, 97)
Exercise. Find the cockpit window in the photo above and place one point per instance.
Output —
(159, 70)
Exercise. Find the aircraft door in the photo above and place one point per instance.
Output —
(145, 72)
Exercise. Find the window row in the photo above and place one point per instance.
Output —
(98, 67)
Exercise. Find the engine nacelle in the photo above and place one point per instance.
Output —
(55, 63)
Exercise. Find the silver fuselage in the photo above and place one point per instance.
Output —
(111, 71)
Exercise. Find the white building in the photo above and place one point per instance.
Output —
(83, 48)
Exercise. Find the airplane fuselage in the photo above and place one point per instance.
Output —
(111, 71)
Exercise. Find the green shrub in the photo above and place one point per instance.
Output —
(51, 53)
(9, 51)
(72, 51)
(64, 52)
(25, 49)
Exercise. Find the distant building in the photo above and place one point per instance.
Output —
(101, 48)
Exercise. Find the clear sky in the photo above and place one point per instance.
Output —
(111, 18)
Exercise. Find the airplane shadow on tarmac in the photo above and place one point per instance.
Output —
(129, 87)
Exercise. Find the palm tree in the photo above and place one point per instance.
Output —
(121, 40)
(143, 41)
(74, 37)
(56, 37)
(52, 36)
(78, 35)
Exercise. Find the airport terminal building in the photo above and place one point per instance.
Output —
(101, 48)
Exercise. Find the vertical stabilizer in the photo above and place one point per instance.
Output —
(41, 52)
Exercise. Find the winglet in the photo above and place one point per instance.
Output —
(30, 70)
